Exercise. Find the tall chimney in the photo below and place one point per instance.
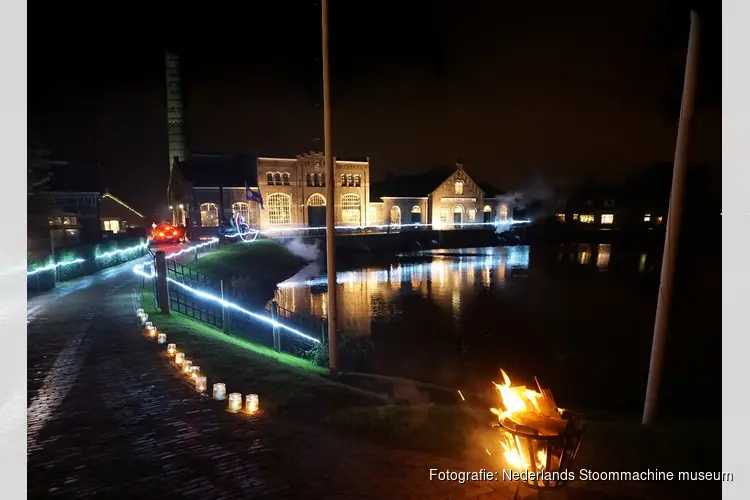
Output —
(175, 116)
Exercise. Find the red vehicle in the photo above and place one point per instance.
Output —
(167, 233)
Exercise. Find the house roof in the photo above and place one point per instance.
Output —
(75, 178)
(212, 170)
(419, 185)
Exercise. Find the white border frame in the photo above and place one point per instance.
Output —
(735, 222)
(13, 126)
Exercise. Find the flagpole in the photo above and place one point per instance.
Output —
(674, 218)
(333, 361)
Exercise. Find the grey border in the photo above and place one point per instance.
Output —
(735, 290)
(13, 50)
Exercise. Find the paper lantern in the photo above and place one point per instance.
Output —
(140, 312)
(200, 384)
(152, 332)
(171, 349)
(220, 391)
(179, 357)
(162, 338)
(235, 402)
(196, 372)
(251, 403)
(187, 367)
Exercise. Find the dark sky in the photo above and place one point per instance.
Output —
(524, 92)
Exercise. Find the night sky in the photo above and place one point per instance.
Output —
(520, 92)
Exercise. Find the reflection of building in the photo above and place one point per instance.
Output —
(370, 293)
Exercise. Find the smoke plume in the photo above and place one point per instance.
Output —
(307, 251)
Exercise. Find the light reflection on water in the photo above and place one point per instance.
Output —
(570, 314)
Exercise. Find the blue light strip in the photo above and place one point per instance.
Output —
(192, 248)
(138, 269)
(274, 232)
(50, 267)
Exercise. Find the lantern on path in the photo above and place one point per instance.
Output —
(171, 350)
(179, 357)
(162, 338)
(235, 402)
(251, 403)
(200, 384)
(220, 391)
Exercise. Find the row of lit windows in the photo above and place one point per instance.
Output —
(278, 179)
(63, 221)
(284, 179)
(279, 206)
(604, 219)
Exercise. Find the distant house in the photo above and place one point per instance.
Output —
(66, 212)
(117, 216)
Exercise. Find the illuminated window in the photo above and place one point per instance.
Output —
(472, 215)
(350, 209)
(279, 209)
(395, 216)
(560, 217)
(343, 180)
(659, 219)
(502, 211)
(575, 216)
(443, 215)
(647, 218)
(277, 178)
(209, 215)
(285, 177)
(269, 178)
(608, 218)
(487, 208)
(112, 225)
(416, 210)
(316, 200)
(349, 180)
(458, 187)
(243, 209)
(357, 181)
(587, 218)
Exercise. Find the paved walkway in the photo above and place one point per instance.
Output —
(108, 417)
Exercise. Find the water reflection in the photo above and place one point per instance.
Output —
(446, 278)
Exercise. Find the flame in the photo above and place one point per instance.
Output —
(532, 409)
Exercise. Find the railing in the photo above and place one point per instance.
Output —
(199, 296)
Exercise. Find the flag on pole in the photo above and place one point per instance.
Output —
(254, 195)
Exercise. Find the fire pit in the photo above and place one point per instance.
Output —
(539, 440)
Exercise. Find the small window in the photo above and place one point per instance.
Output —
(308, 180)
(343, 180)
(357, 181)
(587, 218)
(286, 179)
(458, 187)
(269, 178)
(608, 218)
(472, 215)
(277, 178)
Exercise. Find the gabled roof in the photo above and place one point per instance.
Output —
(419, 185)
(111, 206)
(213, 170)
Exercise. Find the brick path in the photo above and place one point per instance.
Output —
(108, 417)
(129, 427)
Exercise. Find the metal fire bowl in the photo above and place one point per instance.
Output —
(561, 449)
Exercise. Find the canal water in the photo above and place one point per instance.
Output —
(579, 317)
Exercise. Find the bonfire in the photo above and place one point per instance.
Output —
(539, 439)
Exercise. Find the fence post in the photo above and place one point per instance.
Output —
(224, 312)
(162, 291)
(276, 332)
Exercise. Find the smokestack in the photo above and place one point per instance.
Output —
(175, 116)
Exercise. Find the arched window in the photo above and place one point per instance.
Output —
(357, 181)
(416, 210)
(350, 209)
(285, 176)
(316, 179)
(471, 215)
(243, 209)
(279, 209)
(443, 215)
(487, 208)
(269, 178)
(209, 215)
(458, 187)
(277, 178)
(395, 216)
(316, 200)
(502, 211)
(458, 214)
(349, 180)
(343, 180)
(323, 180)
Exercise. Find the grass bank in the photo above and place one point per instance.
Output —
(254, 269)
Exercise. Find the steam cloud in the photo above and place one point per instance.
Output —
(298, 247)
